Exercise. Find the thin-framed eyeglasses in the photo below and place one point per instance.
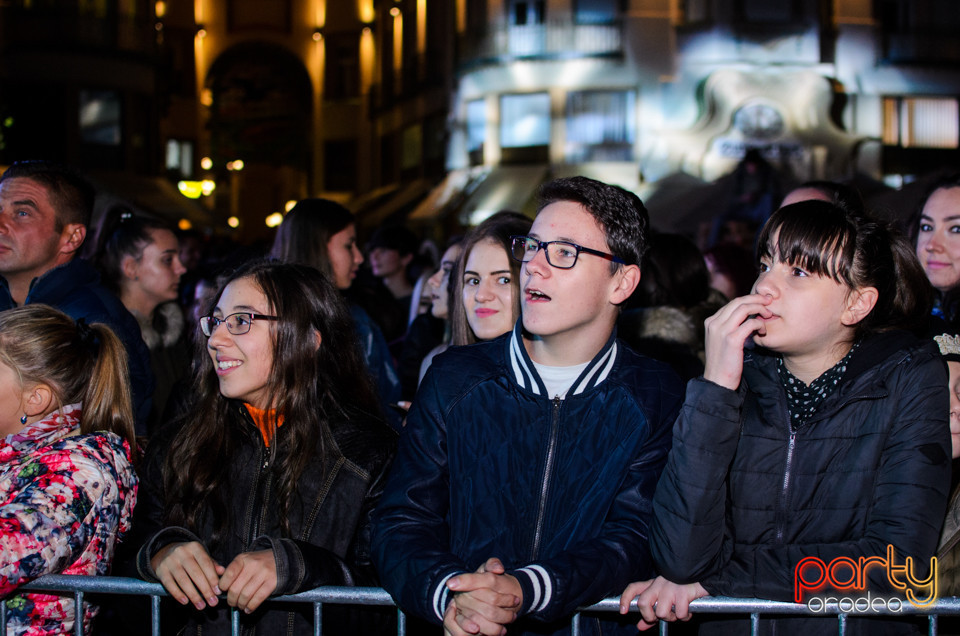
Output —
(237, 324)
(560, 254)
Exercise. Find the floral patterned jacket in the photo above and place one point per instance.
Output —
(65, 498)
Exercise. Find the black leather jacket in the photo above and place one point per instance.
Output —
(329, 525)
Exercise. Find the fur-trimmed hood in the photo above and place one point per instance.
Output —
(166, 327)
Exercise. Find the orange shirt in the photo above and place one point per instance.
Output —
(263, 421)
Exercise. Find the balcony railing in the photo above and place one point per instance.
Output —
(556, 39)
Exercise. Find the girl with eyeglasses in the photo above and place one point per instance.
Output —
(265, 487)
(486, 296)
(323, 234)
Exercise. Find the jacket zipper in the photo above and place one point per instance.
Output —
(547, 472)
(254, 520)
(780, 514)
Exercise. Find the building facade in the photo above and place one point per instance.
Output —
(633, 91)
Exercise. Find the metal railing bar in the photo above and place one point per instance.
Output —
(78, 613)
(78, 586)
(154, 615)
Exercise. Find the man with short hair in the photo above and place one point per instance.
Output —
(525, 475)
(45, 209)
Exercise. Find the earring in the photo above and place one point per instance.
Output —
(23, 418)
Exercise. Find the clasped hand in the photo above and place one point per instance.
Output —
(190, 575)
(660, 599)
(484, 602)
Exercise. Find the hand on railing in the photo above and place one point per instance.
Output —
(660, 599)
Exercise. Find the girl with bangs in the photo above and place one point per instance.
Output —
(819, 429)
(266, 485)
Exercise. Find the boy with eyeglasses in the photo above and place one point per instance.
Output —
(524, 480)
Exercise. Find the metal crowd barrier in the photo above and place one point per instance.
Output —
(375, 596)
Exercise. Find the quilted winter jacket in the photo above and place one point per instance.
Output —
(559, 490)
(329, 525)
(745, 496)
(64, 501)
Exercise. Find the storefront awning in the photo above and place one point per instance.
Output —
(155, 195)
(377, 207)
(504, 188)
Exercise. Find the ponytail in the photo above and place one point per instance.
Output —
(79, 362)
(107, 404)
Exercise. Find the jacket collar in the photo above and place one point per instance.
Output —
(52, 427)
(525, 373)
(56, 283)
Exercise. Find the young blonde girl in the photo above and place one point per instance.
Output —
(827, 439)
(67, 486)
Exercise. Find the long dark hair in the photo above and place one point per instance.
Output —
(674, 274)
(950, 299)
(854, 250)
(498, 229)
(306, 230)
(309, 388)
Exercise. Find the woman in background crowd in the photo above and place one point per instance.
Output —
(139, 259)
(935, 229)
(322, 234)
(266, 485)
(487, 285)
(441, 293)
(67, 484)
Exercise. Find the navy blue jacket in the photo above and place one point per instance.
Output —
(74, 288)
(559, 490)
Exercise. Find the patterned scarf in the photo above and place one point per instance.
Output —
(803, 399)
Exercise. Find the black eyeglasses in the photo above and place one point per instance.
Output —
(560, 254)
(237, 324)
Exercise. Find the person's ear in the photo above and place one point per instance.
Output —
(625, 281)
(72, 237)
(318, 337)
(860, 302)
(405, 260)
(130, 267)
(37, 400)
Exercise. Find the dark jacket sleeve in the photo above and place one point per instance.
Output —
(691, 543)
(603, 565)
(690, 502)
(410, 534)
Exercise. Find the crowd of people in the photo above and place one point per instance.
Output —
(555, 410)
